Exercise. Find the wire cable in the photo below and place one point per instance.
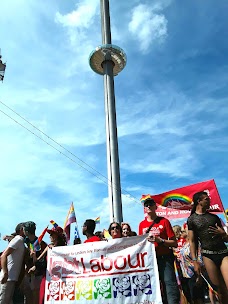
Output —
(90, 169)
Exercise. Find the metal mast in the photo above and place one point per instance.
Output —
(108, 60)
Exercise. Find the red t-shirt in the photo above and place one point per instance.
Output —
(92, 239)
(162, 229)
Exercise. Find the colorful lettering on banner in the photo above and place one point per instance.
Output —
(122, 270)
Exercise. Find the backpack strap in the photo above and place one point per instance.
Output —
(156, 221)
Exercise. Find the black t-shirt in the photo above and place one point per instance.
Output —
(200, 223)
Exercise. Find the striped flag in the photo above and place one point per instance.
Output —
(97, 220)
(36, 245)
(71, 218)
(210, 287)
(54, 223)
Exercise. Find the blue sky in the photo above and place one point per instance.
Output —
(171, 102)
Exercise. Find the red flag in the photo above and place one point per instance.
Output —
(181, 198)
(40, 238)
(171, 213)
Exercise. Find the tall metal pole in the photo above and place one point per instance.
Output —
(111, 127)
(108, 60)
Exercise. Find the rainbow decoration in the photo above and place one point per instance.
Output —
(97, 220)
(36, 245)
(54, 223)
(145, 197)
(176, 198)
(210, 288)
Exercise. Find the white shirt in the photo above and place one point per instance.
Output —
(15, 259)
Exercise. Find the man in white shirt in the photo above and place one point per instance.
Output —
(11, 262)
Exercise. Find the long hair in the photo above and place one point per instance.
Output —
(117, 224)
(129, 227)
(196, 197)
(61, 240)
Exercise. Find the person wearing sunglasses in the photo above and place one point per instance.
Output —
(161, 234)
(115, 230)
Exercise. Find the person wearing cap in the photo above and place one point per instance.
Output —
(88, 230)
(11, 262)
(58, 238)
(162, 236)
(32, 282)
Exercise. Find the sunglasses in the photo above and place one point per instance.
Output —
(149, 205)
(115, 227)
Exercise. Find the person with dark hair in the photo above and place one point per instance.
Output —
(162, 236)
(77, 241)
(88, 230)
(58, 238)
(100, 234)
(126, 229)
(32, 282)
(12, 263)
(115, 230)
(207, 228)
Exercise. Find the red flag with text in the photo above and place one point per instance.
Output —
(180, 200)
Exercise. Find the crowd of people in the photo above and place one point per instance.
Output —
(187, 256)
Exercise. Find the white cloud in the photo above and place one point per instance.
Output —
(147, 26)
(81, 17)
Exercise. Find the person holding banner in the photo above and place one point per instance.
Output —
(207, 228)
(126, 230)
(58, 238)
(162, 236)
(115, 230)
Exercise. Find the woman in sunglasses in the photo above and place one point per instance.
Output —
(115, 230)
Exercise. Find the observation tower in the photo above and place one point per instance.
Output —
(109, 60)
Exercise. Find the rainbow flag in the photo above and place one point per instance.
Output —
(97, 220)
(54, 223)
(145, 197)
(106, 234)
(36, 245)
(210, 288)
(71, 218)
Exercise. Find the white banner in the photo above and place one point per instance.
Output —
(117, 271)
